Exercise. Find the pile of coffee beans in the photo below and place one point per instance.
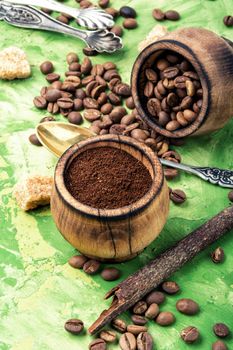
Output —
(172, 91)
(92, 267)
(171, 15)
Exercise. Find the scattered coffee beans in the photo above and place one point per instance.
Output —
(110, 274)
(230, 196)
(34, 140)
(74, 326)
(228, 21)
(136, 329)
(133, 180)
(219, 345)
(144, 341)
(127, 12)
(130, 23)
(98, 344)
(119, 325)
(152, 311)
(217, 255)
(187, 306)
(127, 341)
(46, 67)
(139, 320)
(178, 196)
(78, 261)
(158, 14)
(108, 336)
(189, 334)
(71, 58)
(155, 297)
(172, 15)
(75, 118)
(221, 330)
(165, 318)
(103, 3)
(170, 287)
(91, 267)
(140, 307)
(117, 30)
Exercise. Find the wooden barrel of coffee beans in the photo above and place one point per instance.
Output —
(183, 84)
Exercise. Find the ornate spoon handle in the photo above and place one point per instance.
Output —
(92, 18)
(29, 17)
(216, 176)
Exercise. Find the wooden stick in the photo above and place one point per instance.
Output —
(136, 286)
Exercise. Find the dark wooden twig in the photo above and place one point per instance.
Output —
(136, 286)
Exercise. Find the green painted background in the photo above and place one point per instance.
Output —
(39, 291)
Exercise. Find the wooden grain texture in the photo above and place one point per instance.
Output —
(136, 286)
(212, 58)
(116, 234)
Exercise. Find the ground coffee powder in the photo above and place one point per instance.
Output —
(107, 178)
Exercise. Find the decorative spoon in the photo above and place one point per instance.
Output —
(30, 17)
(58, 136)
(92, 18)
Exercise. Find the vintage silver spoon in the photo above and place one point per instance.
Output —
(58, 136)
(29, 17)
(92, 18)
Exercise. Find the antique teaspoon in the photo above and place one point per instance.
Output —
(58, 136)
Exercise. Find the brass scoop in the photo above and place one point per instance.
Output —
(58, 136)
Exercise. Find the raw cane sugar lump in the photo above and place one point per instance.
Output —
(34, 191)
(14, 64)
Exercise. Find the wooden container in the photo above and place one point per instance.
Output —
(212, 58)
(116, 234)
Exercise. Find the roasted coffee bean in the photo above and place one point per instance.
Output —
(89, 79)
(221, 330)
(230, 196)
(139, 320)
(130, 23)
(127, 12)
(114, 99)
(46, 10)
(186, 102)
(80, 93)
(122, 89)
(74, 326)
(106, 122)
(65, 112)
(160, 88)
(103, 132)
(90, 103)
(130, 103)
(73, 73)
(181, 119)
(78, 104)
(171, 72)
(65, 103)
(108, 336)
(68, 87)
(91, 267)
(172, 99)
(158, 14)
(165, 318)
(144, 341)
(102, 99)
(53, 108)
(155, 297)
(162, 64)
(151, 143)
(113, 82)
(190, 334)
(172, 58)
(113, 12)
(111, 74)
(97, 69)
(57, 84)
(77, 261)
(173, 125)
(72, 57)
(190, 88)
(117, 129)
(127, 341)
(34, 140)
(97, 344)
(117, 30)
(51, 77)
(180, 82)
(187, 306)
(90, 86)
(178, 196)
(219, 345)
(75, 81)
(130, 128)
(40, 102)
(95, 129)
(189, 115)
(89, 51)
(86, 66)
(136, 329)
(106, 108)
(228, 21)
(84, 4)
(172, 15)
(117, 114)
(109, 65)
(149, 89)
(119, 325)
(154, 106)
(151, 75)
(62, 19)
(217, 255)
(128, 119)
(53, 95)
(47, 119)
(92, 114)
(170, 287)
(110, 274)
(140, 307)
(191, 74)
(172, 156)
(152, 311)
(75, 118)
(97, 91)
(170, 173)
(139, 134)
(46, 67)
(103, 3)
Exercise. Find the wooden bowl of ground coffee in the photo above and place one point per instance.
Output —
(183, 83)
(110, 199)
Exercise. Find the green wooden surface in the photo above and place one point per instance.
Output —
(39, 291)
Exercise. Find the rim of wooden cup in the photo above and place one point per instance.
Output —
(152, 52)
(143, 152)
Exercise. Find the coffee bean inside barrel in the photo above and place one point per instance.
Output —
(172, 91)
